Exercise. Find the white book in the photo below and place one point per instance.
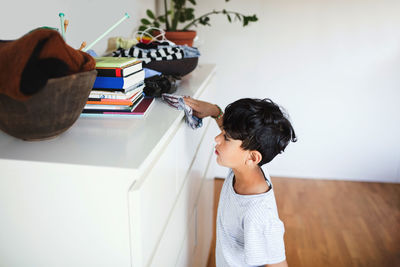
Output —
(101, 94)
(119, 83)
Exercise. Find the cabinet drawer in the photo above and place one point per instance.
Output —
(181, 230)
(190, 140)
(152, 203)
(204, 225)
(198, 169)
(181, 222)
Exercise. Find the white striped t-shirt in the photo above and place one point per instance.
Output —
(249, 231)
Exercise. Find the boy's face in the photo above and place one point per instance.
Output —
(229, 153)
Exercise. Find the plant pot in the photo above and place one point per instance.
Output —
(181, 37)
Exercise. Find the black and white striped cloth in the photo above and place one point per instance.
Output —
(162, 52)
(249, 231)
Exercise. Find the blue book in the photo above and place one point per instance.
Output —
(119, 82)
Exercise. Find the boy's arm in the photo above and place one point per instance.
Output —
(281, 264)
(202, 109)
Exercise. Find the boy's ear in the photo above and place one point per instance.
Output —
(255, 156)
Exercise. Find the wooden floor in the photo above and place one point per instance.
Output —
(336, 223)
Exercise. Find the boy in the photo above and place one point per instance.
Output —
(253, 132)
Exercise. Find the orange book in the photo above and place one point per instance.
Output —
(107, 101)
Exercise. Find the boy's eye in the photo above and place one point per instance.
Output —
(226, 137)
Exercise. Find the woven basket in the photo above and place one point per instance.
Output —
(49, 112)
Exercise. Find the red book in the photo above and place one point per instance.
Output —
(141, 109)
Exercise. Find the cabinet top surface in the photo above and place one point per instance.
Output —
(118, 142)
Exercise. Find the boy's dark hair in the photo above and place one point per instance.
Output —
(260, 124)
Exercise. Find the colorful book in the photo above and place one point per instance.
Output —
(101, 94)
(107, 101)
(119, 82)
(91, 108)
(119, 72)
(126, 90)
(115, 62)
(106, 107)
(143, 107)
(139, 110)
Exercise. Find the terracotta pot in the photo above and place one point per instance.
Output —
(181, 37)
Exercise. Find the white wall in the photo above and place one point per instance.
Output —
(334, 66)
(88, 19)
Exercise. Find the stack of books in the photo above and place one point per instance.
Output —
(118, 88)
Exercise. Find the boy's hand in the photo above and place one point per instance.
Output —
(202, 109)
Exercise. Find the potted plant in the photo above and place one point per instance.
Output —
(178, 19)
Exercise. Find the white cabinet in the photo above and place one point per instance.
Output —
(112, 192)
(190, 224)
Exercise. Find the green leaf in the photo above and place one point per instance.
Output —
(179, 3)
(245, 21)
(161, 19)
(142, 28)
(150, 14)
(189, 14)
(205, 21)
(202, 21)
(145, 21)
(182, 17)
(156, 24)
(229, 17)
(193, 2)
(248, 19)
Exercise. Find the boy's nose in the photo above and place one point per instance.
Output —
(218, 138)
